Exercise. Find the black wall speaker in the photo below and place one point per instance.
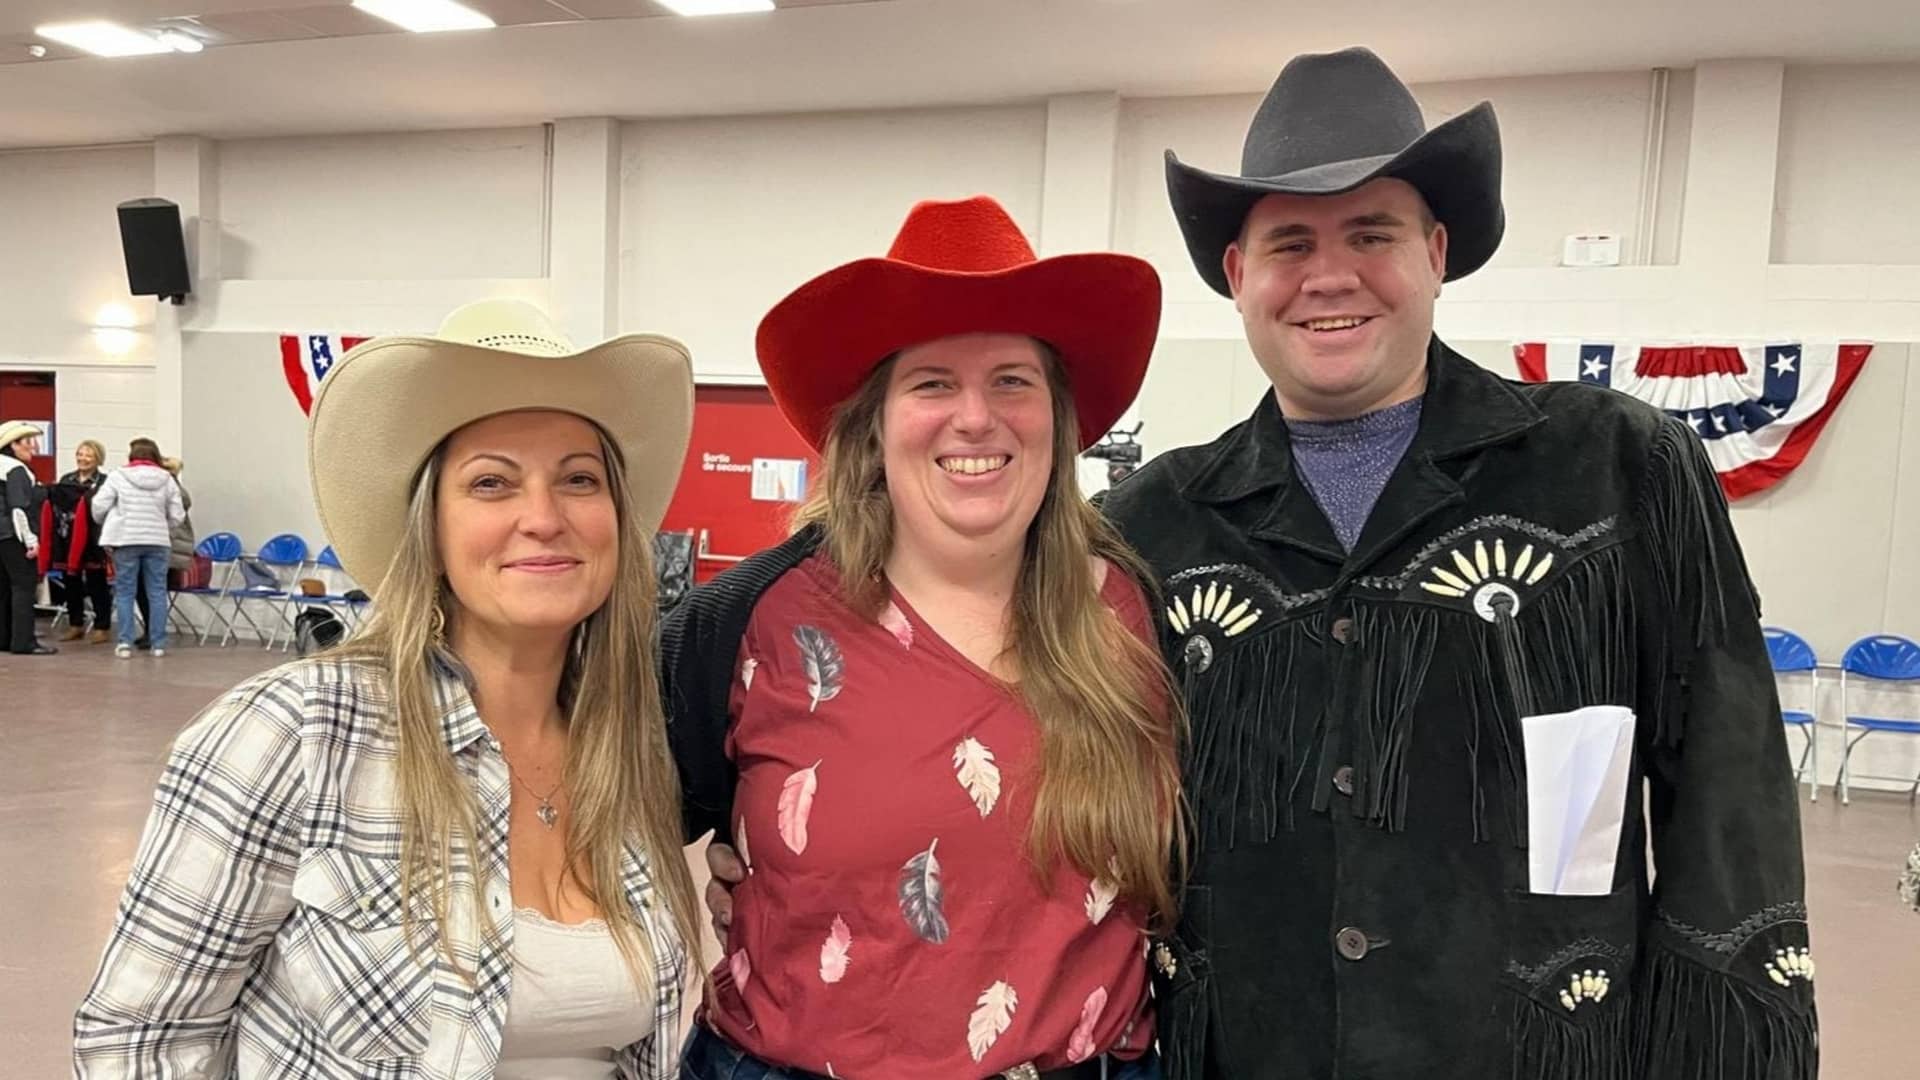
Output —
(156, 249)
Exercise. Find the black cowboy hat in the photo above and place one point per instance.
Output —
(1332, 122)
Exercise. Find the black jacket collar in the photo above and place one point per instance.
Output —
(1467, 408)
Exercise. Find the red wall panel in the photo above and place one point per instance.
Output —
(28, 395)
(733, 425)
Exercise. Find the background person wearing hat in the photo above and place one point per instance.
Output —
(932, 723)
(19, 544)
(449, 848)
(1372, 581)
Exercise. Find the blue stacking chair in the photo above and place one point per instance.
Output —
(1882, 660)
(223, 550)
(1791, 655)
(282, 557)
(348, 608)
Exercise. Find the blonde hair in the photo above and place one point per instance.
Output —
(99, 451)
(619, 770)
(1108, 799)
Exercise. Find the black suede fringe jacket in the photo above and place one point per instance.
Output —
(1359, 906)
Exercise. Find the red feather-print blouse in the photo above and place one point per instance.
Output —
(891, 924)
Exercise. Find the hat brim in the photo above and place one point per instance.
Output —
(1100, 312)
(1455, 166)
(14, 430)
(390, 401)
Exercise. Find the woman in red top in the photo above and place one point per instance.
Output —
(933, 723)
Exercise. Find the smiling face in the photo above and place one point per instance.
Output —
(1337, 294)
(85, 459)
(528, 530)
(967, 438)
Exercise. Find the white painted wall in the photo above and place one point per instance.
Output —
(60, 263)
(245, 443)
(1849, 161)
(454, 204)
(721, 218)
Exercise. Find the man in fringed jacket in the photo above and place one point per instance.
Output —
(1436, 629)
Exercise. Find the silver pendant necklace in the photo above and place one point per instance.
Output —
(545, 811)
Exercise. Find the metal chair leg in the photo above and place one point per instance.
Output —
(1846, 767)
(1813, 749)
(1800, 768)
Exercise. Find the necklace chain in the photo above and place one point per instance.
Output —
(545, 811)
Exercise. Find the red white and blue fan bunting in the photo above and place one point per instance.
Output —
(305, 359)
(1757, 408)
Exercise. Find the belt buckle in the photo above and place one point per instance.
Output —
(1023, 1071)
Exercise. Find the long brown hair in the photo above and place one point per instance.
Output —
(619, 768)
(1108, 799)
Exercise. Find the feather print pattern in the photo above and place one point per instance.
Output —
(1100, 897)
(920, 896)
(740, 968)
(973, 765)
(820, 656)
(796, 806)
(991, 1018)
(740, 841)
(747, 667)
(1080, 1047)
(833, 952)
(896, 623)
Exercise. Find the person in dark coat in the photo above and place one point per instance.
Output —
(86, 581)
(1402, 597)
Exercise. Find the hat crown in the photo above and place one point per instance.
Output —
(506, 325)
(974, 235)
(1330, 107)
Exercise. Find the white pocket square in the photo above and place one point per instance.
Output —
(1577, 767)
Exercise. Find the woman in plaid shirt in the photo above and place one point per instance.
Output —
(451, 847)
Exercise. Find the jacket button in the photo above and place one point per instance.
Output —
(1343, 780)
(1351, 943)
(1343, 630)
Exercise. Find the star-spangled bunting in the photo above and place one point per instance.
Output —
(305, 359)
(1757, 408)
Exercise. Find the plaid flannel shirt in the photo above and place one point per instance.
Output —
(262, 933)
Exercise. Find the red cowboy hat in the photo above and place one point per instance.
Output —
(962, 268)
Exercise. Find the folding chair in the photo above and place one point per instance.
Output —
(1881, 660)
(57, 576)
(346, 606)
(280, 558)
(222, 549)
(1791, 655)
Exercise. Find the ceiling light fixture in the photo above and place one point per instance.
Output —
(715, 7)
(181, 42)
(426, 16)
(101, 38)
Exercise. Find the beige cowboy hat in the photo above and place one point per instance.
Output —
(389, 402)
(12, 431)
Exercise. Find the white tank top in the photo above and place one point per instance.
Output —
(573, 1002)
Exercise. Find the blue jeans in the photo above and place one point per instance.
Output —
(710, 1057)
(133, 563)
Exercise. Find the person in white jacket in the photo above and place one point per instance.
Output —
(19, 577)
(138, 508)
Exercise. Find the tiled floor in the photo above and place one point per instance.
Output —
(82, 737)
